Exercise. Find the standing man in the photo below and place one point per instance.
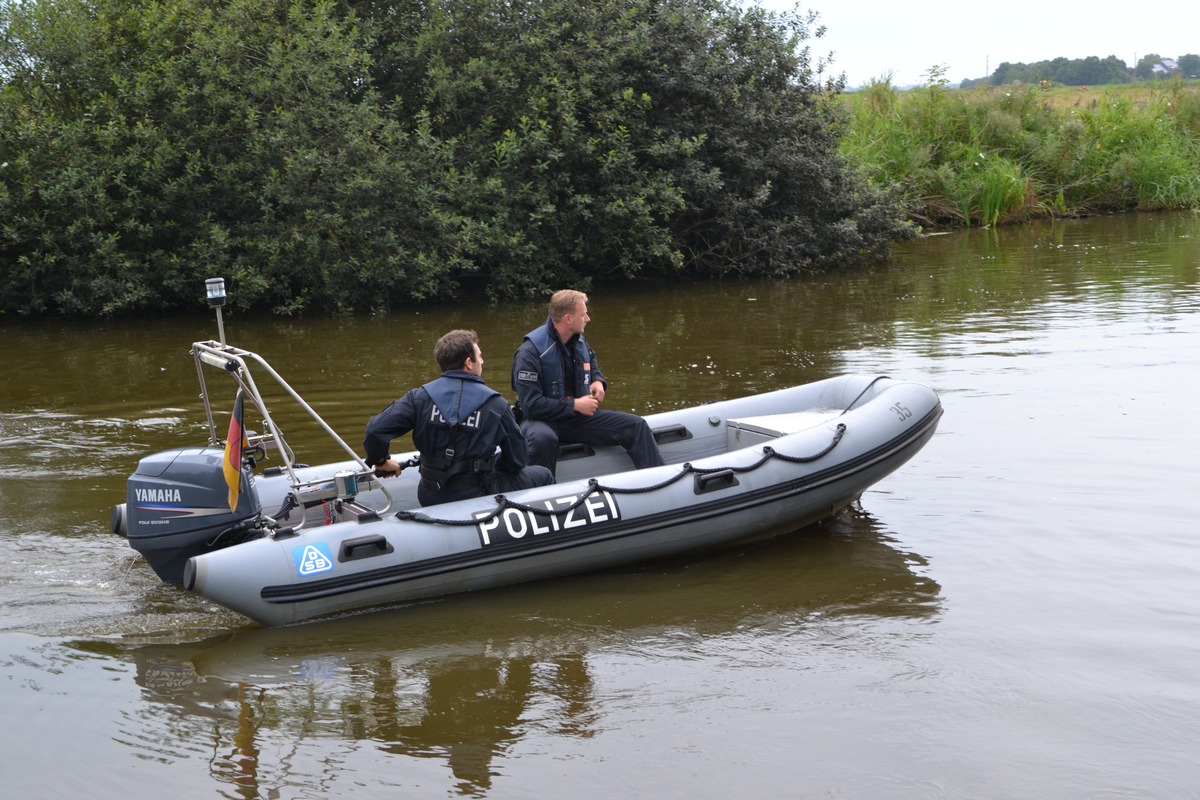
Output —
(560, 388)
(458, 422)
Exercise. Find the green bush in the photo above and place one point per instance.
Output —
(334, 157)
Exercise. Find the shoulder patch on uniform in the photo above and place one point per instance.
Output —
(527, 375)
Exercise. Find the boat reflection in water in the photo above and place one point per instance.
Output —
(463, 679)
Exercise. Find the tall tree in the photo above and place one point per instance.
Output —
(1145, 66)
(636, 136)
(1189, 65)
(149, 145)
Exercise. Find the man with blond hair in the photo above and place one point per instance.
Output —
(560, 388)
(470, 444)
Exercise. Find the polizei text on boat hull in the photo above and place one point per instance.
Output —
(563, 516)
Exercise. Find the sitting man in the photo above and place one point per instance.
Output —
(560, 387)
(458, 422)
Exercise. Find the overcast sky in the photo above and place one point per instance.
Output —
(874, 37)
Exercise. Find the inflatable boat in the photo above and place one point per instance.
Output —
(290, 542)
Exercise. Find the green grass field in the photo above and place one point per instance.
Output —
(992, 155)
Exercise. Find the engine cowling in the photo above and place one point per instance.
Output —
(177, 506)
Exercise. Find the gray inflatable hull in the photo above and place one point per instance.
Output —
(736, 470)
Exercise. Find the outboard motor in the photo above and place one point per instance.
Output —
(177, 506)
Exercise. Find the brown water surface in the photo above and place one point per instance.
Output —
(1013, 614)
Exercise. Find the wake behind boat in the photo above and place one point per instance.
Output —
(292, 542)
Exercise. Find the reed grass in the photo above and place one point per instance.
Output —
(988, 156)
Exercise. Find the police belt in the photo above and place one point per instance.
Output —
(467, 472)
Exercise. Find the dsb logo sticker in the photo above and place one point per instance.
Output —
(312, 559)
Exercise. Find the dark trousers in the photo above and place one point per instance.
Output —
(602, 428)
(471, 485)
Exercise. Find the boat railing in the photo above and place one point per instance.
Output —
(235, 361)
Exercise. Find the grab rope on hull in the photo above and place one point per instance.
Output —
(595, 487)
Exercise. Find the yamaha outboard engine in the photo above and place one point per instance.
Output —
(177, 506)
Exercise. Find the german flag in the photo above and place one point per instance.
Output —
(235, 444)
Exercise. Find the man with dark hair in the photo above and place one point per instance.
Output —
(560, 388)
(458, 422)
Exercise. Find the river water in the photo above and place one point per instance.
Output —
(1013, 614)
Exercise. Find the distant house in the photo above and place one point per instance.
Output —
(1168, 66)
